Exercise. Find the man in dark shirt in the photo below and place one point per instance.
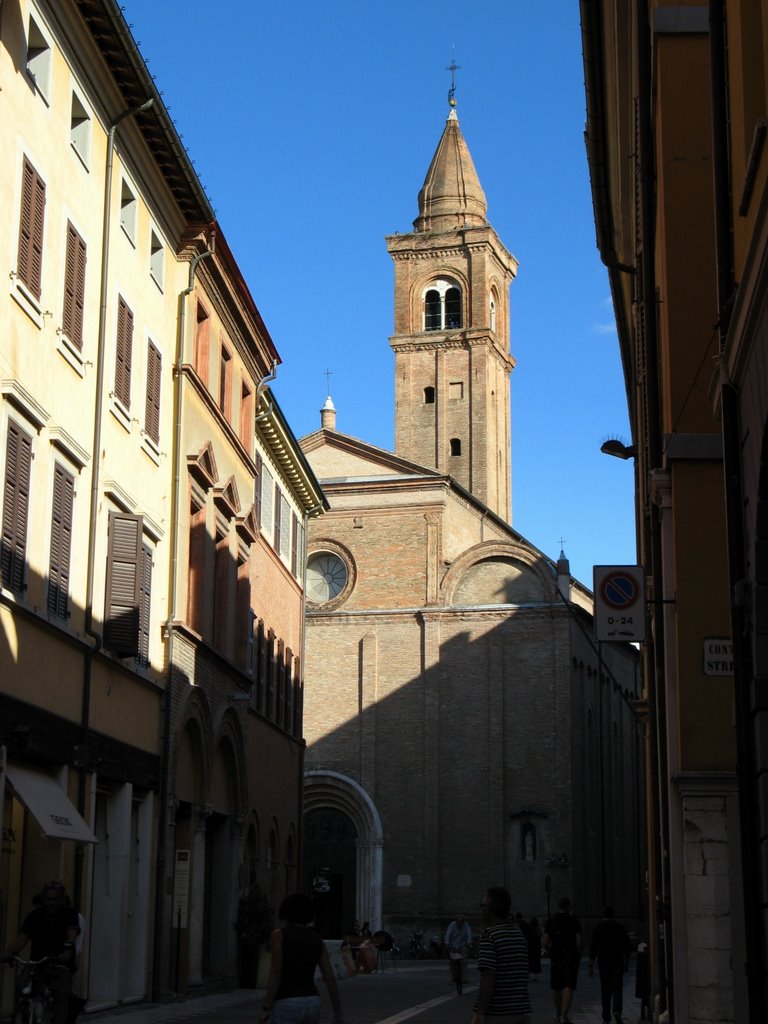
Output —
(51, 928)
(562, 937)
(502, 959)
(610, 946)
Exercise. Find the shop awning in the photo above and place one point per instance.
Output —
(48, 804)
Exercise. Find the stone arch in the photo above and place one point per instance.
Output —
(230, 749)
(496, 572)
(196, 723)
(340, 792)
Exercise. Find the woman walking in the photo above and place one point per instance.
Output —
(297, 949)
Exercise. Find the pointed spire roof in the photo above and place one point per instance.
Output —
(451, 196)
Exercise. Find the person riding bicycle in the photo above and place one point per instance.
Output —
(52, 928)
(458, 936)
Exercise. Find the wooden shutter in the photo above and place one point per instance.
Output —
(285, 529)
(288, 722)
(280, 702)
(294, 544)
(154, 369)
(278, 518)
(267, 505)
(31, 228)
(74, 288)
(124, 350)
(260, 655)
(257, 490)
(220, 596)
(243, 616)
(61, 542)
(18, 466)
(124, 564)
(271, 673)
(198, 541)
(145, 602)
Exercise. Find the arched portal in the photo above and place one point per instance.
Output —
(333, 800)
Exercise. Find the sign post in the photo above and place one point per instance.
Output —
(619, 603)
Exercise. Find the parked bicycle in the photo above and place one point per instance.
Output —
(416, 948)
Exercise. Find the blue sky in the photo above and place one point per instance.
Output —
(312, 127)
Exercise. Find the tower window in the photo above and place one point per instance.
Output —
(453, 308)
(442, 306)
(493, 313)
(433, 316)
(429, 396)
(455, 446)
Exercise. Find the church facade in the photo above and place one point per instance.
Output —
(463, 729)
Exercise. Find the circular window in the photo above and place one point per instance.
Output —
(326, 576)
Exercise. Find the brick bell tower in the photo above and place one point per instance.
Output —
(451, 340)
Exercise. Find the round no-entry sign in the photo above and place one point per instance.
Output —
(619, 603)
(619, 589)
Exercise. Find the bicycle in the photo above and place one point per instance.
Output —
(417, 950)
(34, 999)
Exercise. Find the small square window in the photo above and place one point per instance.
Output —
(80, 130)
(39, 59)
(128, 212)
(156, 260)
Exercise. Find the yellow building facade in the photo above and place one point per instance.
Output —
(676, 114)
(151, 612)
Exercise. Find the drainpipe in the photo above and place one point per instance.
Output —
(743, 668)
(659, 917)
(259, 392)
(95, 480)
(162, 834)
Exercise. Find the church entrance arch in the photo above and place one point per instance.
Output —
(342, 833)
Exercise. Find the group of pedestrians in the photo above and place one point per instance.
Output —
(503, 959)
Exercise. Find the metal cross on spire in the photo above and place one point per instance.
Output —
(453, 67)
(327, 374)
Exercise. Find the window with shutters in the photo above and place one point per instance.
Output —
(259, 674)
(129, 209)
(152, 414)
(278, 535)
(39, 59)
(294, 545)
(17, 475)
(198, 542)
(271, 673)
(145, 597)
(243, 620)
(124, 353)
(257, 488)
(298, 697)
(61, 542)
(123, 585)
(74, 288)
(225, 381)
(220, 595)
(284, 547)
(156, 259)
(80, 130)
(246, 416)
(30, 262)
(280, 684)
(288, 720)
(267, 501)
(202, 343)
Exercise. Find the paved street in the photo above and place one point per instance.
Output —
(415, 992)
